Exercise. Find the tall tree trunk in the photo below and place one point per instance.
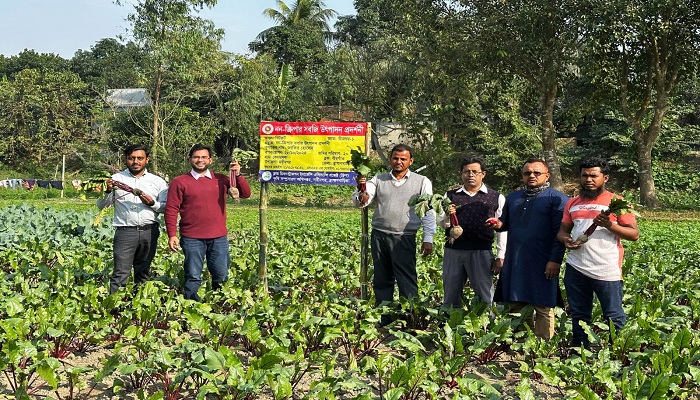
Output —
(644, 140)
(549, 145)
(156, 121)
(658, 82)
(647, 190)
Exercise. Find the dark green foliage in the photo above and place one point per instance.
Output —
(30, 59)
(300, 36)
(311, 335)
(109, 64)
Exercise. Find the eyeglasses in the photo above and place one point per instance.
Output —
(536, 173)
(470, 172)
(200, 157)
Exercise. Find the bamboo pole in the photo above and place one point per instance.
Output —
(63, 175)
(364, 254)
(364, 244)
(262, 266)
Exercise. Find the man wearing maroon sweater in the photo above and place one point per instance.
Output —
(199, 197)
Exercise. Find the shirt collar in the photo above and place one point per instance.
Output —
(196, 174)
(481, 189)
(408, 173)
(145, 172)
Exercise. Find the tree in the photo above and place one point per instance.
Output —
(30, 59)
(642, 50)
(43, 114)
(257, 92)
(180, 47)
(413, 62)
(183, 129)
(109, 65)
(299, 40)
(536, 40)
(246, 90)
(374, 18)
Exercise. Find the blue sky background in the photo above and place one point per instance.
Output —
(65, 26)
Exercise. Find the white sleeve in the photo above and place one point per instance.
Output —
(501, 237)
(371, 190)
(428, 220)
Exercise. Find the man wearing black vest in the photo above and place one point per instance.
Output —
(394, 226)
(470, 256)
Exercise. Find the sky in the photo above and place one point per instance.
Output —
(65, 26)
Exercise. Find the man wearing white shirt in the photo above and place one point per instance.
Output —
(470, 256)
(394, 227)
(135, 217)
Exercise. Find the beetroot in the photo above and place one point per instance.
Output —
(585, 235)
(455, 230)
(242, 157)
(232, 179)
(618, 206)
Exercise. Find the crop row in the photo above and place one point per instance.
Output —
(62, 335)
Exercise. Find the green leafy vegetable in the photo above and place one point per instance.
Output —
(361, 165)
(360, 162)
(243, 157)
(422, 203)
(618, 206)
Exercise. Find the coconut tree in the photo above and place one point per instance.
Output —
(300, 37)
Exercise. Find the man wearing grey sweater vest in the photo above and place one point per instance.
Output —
(394, 226)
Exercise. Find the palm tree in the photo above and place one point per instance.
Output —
(301, 35)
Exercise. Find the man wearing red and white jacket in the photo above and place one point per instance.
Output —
(594, 266)
(199, 197)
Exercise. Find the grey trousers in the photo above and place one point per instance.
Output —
(132, 248)
(460, 265)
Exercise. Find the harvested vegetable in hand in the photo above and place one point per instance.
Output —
(101, 184)
(455, 230)
(361, 165)
(618, 206)
(242, 157)
(424, 202)
(234, 192)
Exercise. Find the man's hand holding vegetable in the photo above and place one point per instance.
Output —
(145, 198)
(234, 170)
(426, 249)
(494, 223)
(618, 206)
(362, 196)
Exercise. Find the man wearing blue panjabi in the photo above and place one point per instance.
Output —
(530, 273)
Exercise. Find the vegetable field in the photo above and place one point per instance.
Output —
(311, 337)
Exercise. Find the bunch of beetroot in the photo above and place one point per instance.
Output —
(123, 186)
(618, 206)
(423, 203)
(241, 157)
(361, 165)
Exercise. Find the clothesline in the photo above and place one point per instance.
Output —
(30, 184)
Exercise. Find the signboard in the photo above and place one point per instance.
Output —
(309, 152)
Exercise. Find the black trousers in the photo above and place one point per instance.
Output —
(133, 248)
(394, 258)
